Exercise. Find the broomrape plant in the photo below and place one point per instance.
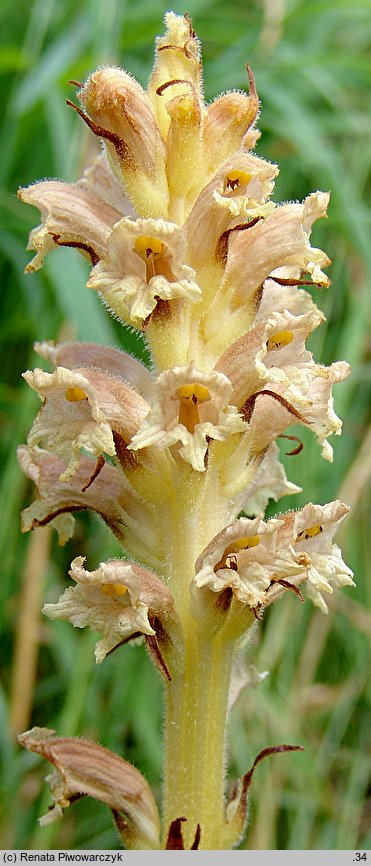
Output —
(185, 245)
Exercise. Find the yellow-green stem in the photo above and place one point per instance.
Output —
(196, 717)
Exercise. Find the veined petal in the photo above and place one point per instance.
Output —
(84, 768)
(71, 216)
(273, 352)
(270, 483)
(240, 189)
(259, 561)
(265, 424)
(315, 410)
(100, 179)
(116, 600)
(189, 407)
(281, 292)
(319, 411)
(279, 240)
(145, 262)
(96, 486)
(119, 112)
(283, 356)
(272, 359)
(44, 470)
(82, 409)
(103, 358)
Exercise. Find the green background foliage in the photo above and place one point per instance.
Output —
(312, 64)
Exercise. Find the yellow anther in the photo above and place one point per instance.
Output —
(234, 180)
(190, 396)
(114, 589)
(229, 558)
(242, 544)
(311, 532)
(247, 542)
(282, 338)
(75, 394)
(151, 250)
(147, 246)
(194, 391)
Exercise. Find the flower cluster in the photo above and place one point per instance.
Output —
(186, 245)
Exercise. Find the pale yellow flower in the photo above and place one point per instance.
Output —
(189, 408)
(97, 486)
(272, 359)
(72, 216)
(144, 263)
(253, 253)
(83, 409)
(246, 557)
(311, 530)
(117, 600)
(259, 561)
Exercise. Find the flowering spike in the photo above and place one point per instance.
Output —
(185, 244)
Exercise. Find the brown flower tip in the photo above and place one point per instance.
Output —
(118, 111)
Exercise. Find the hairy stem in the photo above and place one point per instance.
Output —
(195, 732)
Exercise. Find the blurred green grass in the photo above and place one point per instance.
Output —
(312, 66)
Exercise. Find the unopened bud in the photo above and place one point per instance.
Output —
(119, 112)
